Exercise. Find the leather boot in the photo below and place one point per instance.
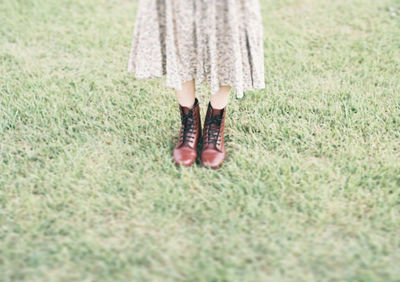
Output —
(185, 151)
(213, 153)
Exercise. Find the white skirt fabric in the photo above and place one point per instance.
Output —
(215, 41)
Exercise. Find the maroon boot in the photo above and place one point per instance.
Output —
(185, 151)
(213, 153)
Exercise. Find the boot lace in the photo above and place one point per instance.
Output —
(214, 127)
(189, 127)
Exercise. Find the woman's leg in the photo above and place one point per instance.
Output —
(220, 99)
(185, 151)
(187, 95)
(213, 153)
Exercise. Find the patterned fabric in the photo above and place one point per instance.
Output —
(215, 41)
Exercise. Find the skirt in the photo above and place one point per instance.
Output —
(219, 42)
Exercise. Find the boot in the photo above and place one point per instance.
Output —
(213, 152)
(185, 151)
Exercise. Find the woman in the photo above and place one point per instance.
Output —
(213, 41)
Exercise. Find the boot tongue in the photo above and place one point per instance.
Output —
(185, 110)
(216, 112)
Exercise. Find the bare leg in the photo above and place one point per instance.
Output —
(185, 151)
(213, 151)
(220, 99)
(187, 95)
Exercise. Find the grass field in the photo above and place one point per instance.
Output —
(310, 188)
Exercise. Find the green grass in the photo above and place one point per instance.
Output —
(310, 188)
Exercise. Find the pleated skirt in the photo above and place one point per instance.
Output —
(219, 42)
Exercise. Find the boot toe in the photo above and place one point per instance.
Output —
(184, 156)
(212, 158)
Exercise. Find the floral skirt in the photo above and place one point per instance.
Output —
(215, 41)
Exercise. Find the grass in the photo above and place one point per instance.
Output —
(310, 188)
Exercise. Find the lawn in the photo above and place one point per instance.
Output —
(309, 190)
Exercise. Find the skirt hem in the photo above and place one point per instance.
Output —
(214, 89)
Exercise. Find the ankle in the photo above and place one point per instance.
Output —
(188, 104)
(218, 105)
